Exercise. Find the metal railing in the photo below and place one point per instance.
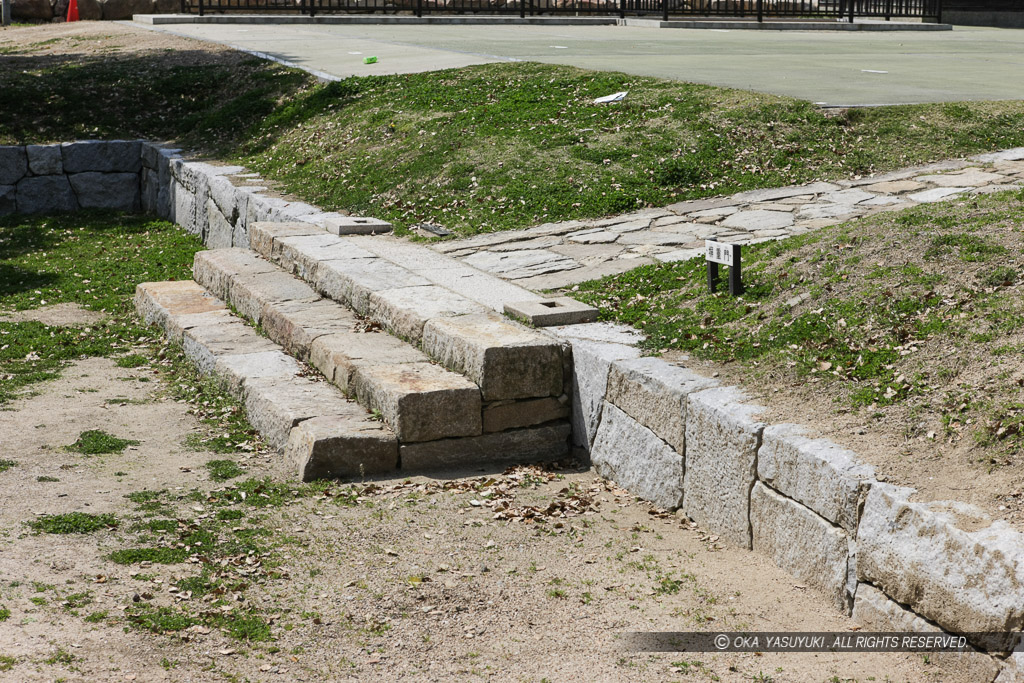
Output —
(742, 9)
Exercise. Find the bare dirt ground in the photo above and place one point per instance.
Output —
(416, 581)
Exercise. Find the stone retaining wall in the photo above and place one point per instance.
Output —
(684, 442)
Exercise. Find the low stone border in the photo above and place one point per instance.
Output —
(682, 441)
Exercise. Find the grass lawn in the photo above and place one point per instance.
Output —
(919, 310)
(484, 148)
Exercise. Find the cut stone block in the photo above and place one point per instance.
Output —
(46, 194)
(420, 401)
(220, 234)
(215, 269)
(302, 254)
(501, 415)
(353, 280)
(505, 360)
(235, 370)
(249, 294)
(274, 407)
(925, 556)
(405, 311)
(263, 234)
(722, 438)
(204, 343)
(822, 475)
(13, 164)
(347, 445)
(801, 542)
(356, 225)
(295, 325)
(105, 156)
(118, 191)
(155, 302)
(43, 160)
(635, 458)
(653, 392)
(559, 310)
(8, 199)
(339, 354)
(534, 444)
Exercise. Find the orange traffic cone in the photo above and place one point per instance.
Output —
(73, 10)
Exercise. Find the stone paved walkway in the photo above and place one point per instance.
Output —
(557, 255)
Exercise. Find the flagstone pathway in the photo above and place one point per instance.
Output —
(556, 255)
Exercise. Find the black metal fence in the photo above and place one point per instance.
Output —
(743, 9)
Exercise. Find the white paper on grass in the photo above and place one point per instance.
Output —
(615, 97)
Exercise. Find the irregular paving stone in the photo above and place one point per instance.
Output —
(202, 344)
(1014, 154)
(45, 194)
(925, 556)
(13, 164)
(295, 325)
(719, 212)
(679, 255)
(659, 238)
(234, 370)
(104, 156)
(356, 225)
(895, 186)
(183, 208)
(849, 196)
(800, 542)
(505, 359)
(557, 310)
(582, 274)
(759, 220)
(405, 311)
(345, 445)
(635, 458)
(694, 205)
(812, 211)
(633, 226)
(420, 401)
(1012, 669)
(42, 160)
(722, 438)
(338, 355)
(353, 280)
(537, 243)
(593, 237)
(8, 199)
(936, 194)
(519, 264)
(968, 177)
(118, 191)
(653, 392)
(501, 415)
(533, 444)
(822, 475)
(274, 406)
(768, 195)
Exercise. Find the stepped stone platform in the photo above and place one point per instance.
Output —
(417, 369)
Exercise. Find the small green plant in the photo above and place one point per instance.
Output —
(96, 617)
(73, 523)
(7, 464)
(132, 360)
(5, 613)
(98, 442)
(61, 656)
(44, 478)
(154, 555)
(7, 663)
(222, 470)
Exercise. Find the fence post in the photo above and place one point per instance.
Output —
(760, 11)
(938, 11)
(664, 10)
(522, 9)
(622, 9)
(419, 9)
(201, 8)
(852, 3)
(5, 12)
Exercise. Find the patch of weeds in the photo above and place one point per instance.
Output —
(7, 663)
(73, 523)
(160, 619)
(154, 555)
(559, 593)
(38, 600)
(45, 478)
(132, 360)
(226, 515)
(61, 656)
(5, 613)
(223, 470)
(96, 617)
(76, 600)
(99, 442)
(7, 464)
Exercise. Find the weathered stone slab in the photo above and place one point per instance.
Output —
(501, 415)
(156, 301)
(420, 401)
(815, 211)
(356, 225)
(235, 370)
(772, 194)
(937, 194)
(504, 359)
(405, 311)
(800, 542)
(274, 407)
(894, 186)
(340, 354)
(13, 164)
(118, 191)
(353, 280)
(214, 269)
(43, 160)
(822, 475)
(250, 294)
(45, 194)
(263, 234)
(303, 255)
(182, 205)
(177, 325)
(534, 444)
(8, 199)
(695, 205)
(653, 392)
(220, 232)
(924, 556)
(524, 263)
(229, 200)
(759, 219)
(149, 191)
(558, 310)
(722, 437)
(968, 177)
(204, 343)
(346, 445)
(104, 156)
(635, 458)
(1012, 669)
(295, 325)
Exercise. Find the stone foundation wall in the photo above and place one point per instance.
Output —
(683, 442)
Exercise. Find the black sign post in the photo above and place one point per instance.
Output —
(716, 253)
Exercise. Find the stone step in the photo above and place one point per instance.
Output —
(418, 400)
(431, 300)
(321, 431)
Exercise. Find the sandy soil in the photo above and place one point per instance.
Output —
(500, 599)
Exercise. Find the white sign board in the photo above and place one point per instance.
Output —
(718, 252)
